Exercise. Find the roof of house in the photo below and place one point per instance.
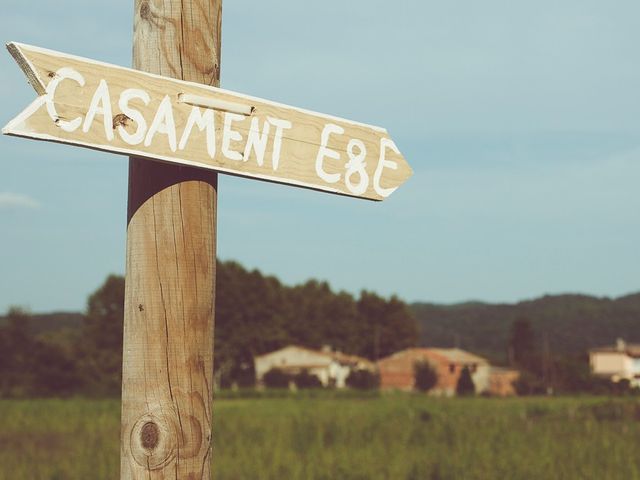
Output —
(631, 349)
(453, 355)
(414, 353)
(351, 359)
(339, 357)
(456, 355)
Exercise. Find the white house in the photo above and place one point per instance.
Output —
(617, 362)
(331, 368)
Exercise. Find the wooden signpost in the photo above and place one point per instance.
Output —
(92, 104)
(180, 130)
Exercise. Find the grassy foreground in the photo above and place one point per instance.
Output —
(328, 437)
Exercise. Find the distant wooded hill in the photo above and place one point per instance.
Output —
(41, 323)
(571, 323)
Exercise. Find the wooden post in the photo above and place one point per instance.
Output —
(170, 270)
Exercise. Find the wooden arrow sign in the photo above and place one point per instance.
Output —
(96, 105)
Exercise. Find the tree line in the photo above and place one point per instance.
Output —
(255, 314)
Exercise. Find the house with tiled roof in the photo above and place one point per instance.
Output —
(397, 371)
(331, 367)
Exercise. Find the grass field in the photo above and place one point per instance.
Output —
(344, 438)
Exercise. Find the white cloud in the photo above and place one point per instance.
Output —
(16, 200)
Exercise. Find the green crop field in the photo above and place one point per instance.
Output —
(342, 437)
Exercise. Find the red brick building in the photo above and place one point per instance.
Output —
(397, 370)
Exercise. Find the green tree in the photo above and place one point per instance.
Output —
(314, 312)
(16, 355)
(465, 385)
(387, 326)
(425, 376)
(100, 349)
(251, 319)
(55, 372)
(242, 372)
(34, 366)
(521, 344)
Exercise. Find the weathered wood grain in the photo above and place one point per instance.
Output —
(171, 255)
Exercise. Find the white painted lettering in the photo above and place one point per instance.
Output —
(356, 164)
(135, 115)
(163, 123)
(100, 105)
(257, 141)
(384, 163)
(204, 121)
(229, 135)
(281, 126)
(324, 151)
(63, 73)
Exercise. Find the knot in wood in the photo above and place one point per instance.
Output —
(145, 11)
(149, 435)
(120, 119)
(153, 441)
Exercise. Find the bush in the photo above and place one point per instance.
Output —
(529, 384)
(622, 386)
(243, 372)
(363, 380)
(306, 380)
(465, 384)
(425, 376)
(276, 378)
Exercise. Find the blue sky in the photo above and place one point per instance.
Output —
(521, 121)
